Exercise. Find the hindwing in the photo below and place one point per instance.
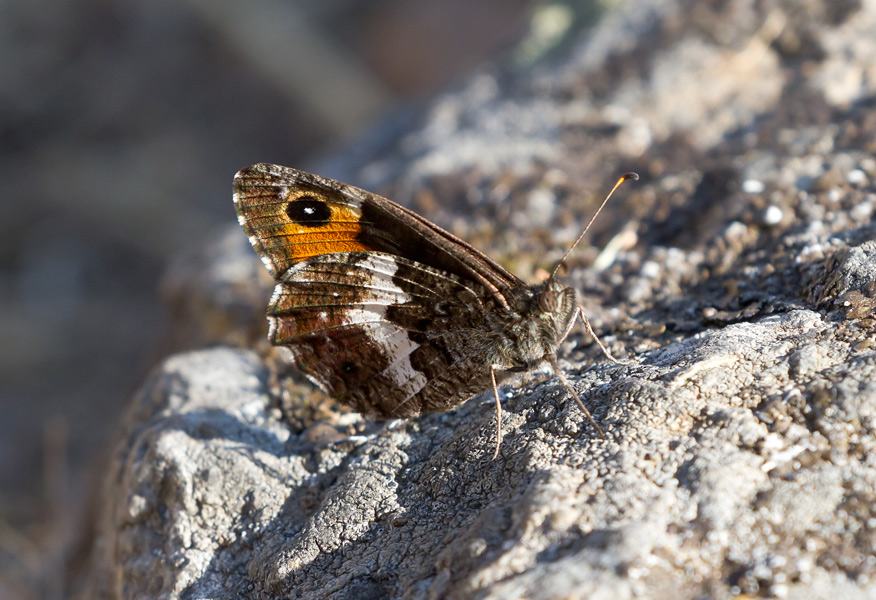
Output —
(386, 335)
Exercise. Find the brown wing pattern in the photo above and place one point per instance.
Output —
(291, 216)
(382, 333)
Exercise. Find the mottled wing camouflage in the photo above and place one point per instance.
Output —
(370, 336)
(390, 335)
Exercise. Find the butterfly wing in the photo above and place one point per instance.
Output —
(383, 334)
(381, 308)
(291, 216)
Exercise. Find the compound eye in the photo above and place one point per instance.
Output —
(548, 301)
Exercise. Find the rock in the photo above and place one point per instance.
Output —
(739, 450)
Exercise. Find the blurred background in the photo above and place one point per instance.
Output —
(121, 126)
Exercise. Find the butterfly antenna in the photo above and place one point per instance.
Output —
(623, 178)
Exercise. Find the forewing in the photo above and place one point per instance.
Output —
(291, 216)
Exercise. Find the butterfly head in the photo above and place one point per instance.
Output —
(527, 341)
(557, 307)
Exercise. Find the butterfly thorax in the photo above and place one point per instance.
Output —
(540, 318)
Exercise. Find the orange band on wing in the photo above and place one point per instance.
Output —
(314, 247)
(290, 225)
(336, 235)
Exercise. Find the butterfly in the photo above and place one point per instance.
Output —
(387, 312)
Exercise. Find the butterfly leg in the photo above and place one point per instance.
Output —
(562, 377)
(498, 411)
(592, 333)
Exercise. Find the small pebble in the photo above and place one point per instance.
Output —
(650, 269)
(773, 215)
(753, 186)
(856, 177)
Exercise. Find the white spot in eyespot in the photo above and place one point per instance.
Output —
(335, 295)
(309, 210)
(323, 315)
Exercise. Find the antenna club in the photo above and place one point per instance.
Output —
(630, 175)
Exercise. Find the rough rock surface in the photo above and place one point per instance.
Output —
(738, 278)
